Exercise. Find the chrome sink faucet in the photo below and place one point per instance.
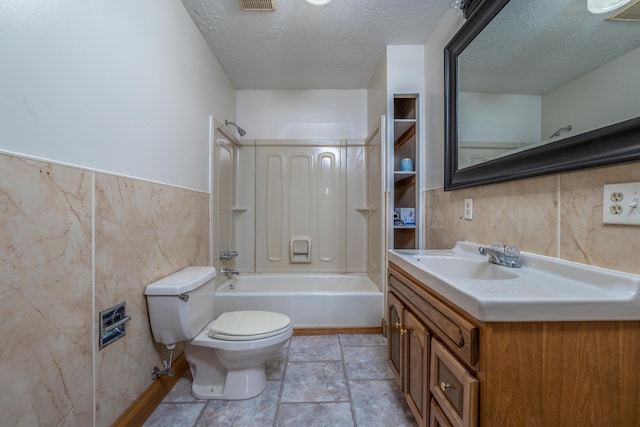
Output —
(507, 256)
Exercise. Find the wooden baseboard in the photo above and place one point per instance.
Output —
(331, 331)
(142, 408)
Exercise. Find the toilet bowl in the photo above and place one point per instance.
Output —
(226, 355)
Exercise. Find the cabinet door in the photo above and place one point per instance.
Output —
(437, 417)
(395, 311)
(453, 387)
(417, 368)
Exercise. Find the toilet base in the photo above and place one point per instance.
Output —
(239, 384)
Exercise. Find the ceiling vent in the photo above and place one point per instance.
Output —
(628, 13)
(258, 5)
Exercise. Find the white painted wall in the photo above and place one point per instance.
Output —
(434, 97)
(496, 117)
(405, 75)
(609, 94)
(377, 95)
(405, 69)
(302, 114)
(120, 86)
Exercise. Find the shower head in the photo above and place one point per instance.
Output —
(241, 131)
(560, 131)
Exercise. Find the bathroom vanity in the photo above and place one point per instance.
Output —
(468, 350)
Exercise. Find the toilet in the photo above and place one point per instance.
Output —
(226, 355)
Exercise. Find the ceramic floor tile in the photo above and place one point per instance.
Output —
(315, 348)
(314, 415)
(181, 392)
(367, 363)
(259, 411)
(308, 386)
(361, 340)
(380, 403)
(314, 382)
(175, 415)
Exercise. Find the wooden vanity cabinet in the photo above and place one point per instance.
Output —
(409, 348)
(415, 321)
(416, 383)
(524, 374)
(395, 341)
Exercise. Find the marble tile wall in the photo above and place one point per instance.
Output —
(51, 292)
(558, 215)
(45, 294)
(143, 232)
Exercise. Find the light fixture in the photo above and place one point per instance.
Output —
(603, 6)
(318, 2)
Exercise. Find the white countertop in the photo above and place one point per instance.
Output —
(543, 289)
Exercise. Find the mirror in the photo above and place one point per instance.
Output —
(538, 87)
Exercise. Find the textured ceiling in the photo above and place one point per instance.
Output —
(535, 46)
(300, 46)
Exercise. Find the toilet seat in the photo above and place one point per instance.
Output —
(248, 325)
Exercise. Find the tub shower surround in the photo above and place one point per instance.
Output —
(73, 242)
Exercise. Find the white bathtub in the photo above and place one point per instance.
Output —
(311, 300)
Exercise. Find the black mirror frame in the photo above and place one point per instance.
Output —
(617, 143)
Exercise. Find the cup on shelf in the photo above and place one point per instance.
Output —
(406, 164)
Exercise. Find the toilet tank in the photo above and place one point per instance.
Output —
(181, 305)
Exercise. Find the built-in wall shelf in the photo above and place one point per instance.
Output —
(400, 175)
(406, 129)
(405, 198)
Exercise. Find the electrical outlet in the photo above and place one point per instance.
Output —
(468, 208)
(616, 196)
(620, 203)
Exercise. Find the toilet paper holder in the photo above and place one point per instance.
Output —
(112, 324)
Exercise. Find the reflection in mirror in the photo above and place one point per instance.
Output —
(535, 74)
(543, 71)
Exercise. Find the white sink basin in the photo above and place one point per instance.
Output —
(544, 289)
(465, 268)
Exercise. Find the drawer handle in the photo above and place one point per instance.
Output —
(403, 331)
(398, 325)
(445, 386)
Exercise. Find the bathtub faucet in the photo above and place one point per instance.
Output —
(227, 255)
(507, 256)
(229, 271)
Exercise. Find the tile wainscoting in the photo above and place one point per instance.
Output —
(558, 215)
(72, 243)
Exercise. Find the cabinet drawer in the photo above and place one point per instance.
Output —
(458, 333)
(453, 387)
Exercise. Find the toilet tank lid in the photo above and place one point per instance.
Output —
(183, 281)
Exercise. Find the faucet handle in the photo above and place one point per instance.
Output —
(512, 256)
(498, 247)
(512, 252)
(227, 255)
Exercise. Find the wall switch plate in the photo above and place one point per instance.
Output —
(468, 208)
(620, 203)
